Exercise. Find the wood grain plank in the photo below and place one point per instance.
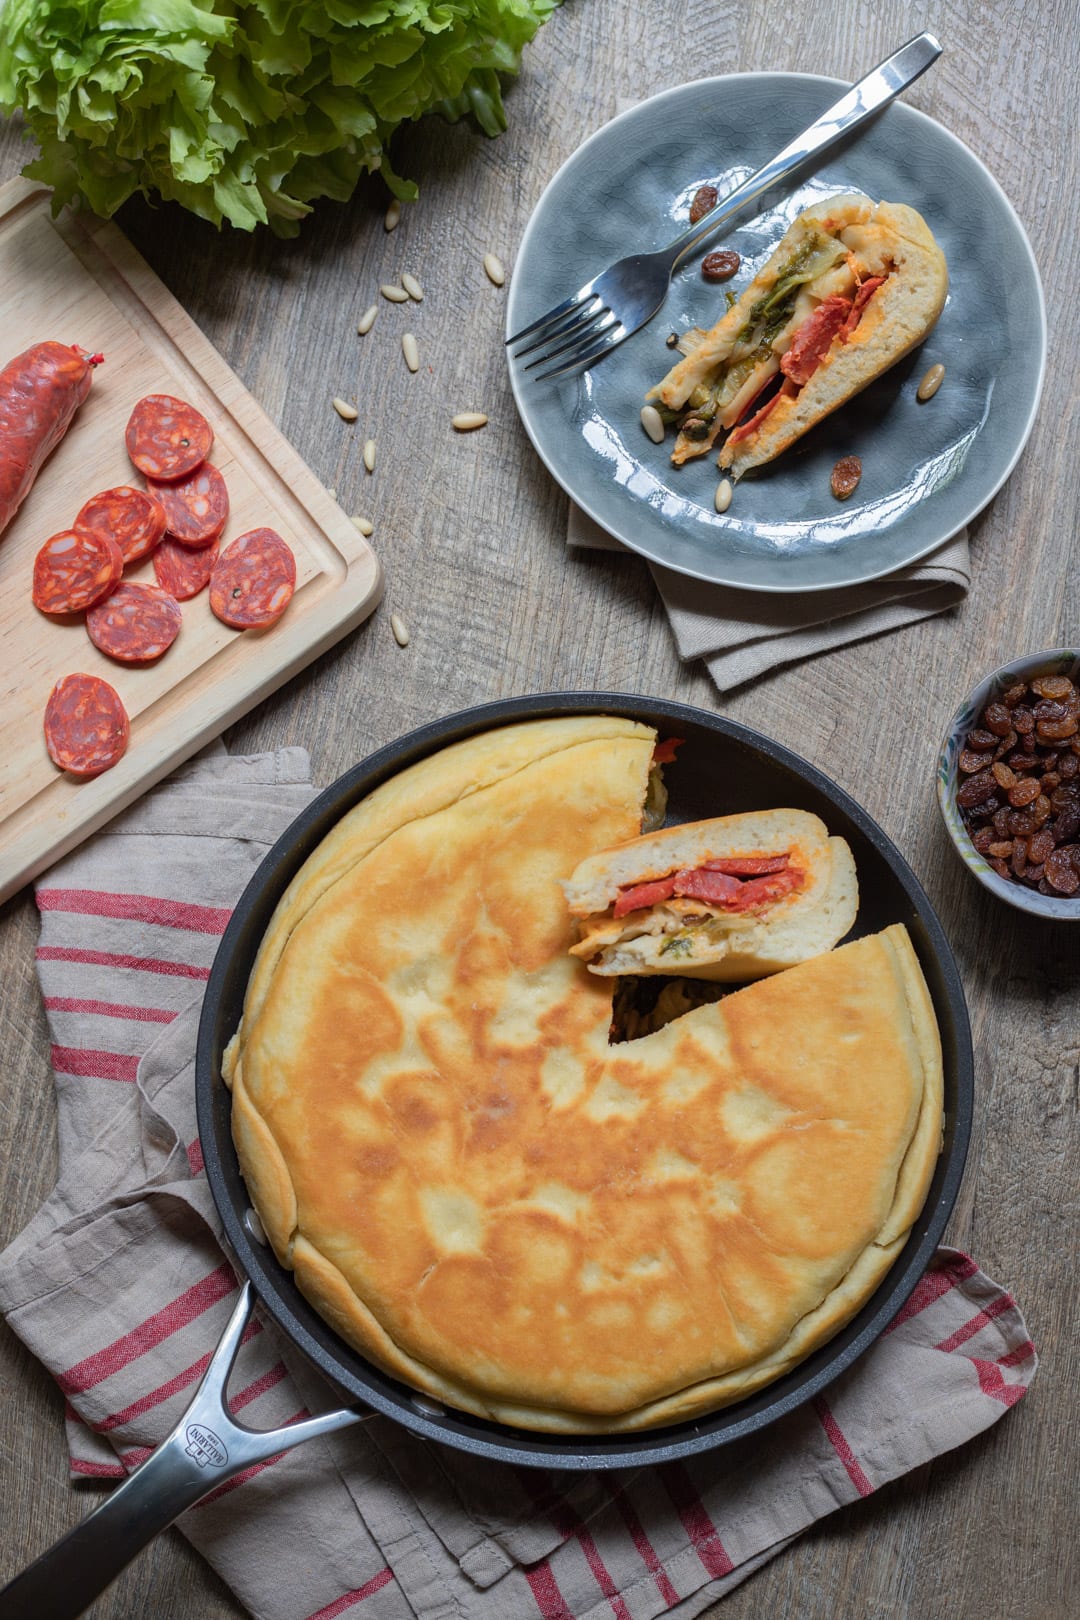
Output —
(471, 534)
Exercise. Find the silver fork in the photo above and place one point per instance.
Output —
(629, 292)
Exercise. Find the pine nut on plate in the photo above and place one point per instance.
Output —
(653, 423)
(466, 421)
(494, 269)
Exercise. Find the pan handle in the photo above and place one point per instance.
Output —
(206, 1448)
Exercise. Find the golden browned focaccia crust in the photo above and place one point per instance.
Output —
(493, 1204)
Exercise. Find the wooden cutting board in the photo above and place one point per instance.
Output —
(78, 280)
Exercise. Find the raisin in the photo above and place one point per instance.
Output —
(970, 761)
(1050, 780)
(1023, 720)
(1055, 731)
(1001, 822)
(982, 741)
(1003, 849)
(720, 266)
(1003, 776)
(999, 867)
(1061, 872)
(1019, 857)
(1023, 762)
(1064, 795)
(1008, 741)
(1053, 686)
(1025, 791)
(976, 788)
(1034, 875)
(845, 477)
(1041, 810)
(1014, 694)
(1067, 824)
(1048, 710)
(997, 719)
(1068, 765)
(1022, 823)
(705, 200)
(985, 837)
(1040, 845)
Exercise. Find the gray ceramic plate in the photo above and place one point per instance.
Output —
(927, 468)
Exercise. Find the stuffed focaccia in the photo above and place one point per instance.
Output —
(494, 1205)
(849, 290)
(732, 898)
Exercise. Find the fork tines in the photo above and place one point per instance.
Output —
(581, 328)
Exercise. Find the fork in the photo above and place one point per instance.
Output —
(629, 292)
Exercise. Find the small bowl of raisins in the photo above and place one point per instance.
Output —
(1009, 783)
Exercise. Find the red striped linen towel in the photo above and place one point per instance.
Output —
(121, 1287)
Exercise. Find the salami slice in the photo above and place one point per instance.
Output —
(131, 517)
(86, 725)
(196, 506)
(253, 580)
(184, 571)
(166, 437)
(73, 571)
(134, 624)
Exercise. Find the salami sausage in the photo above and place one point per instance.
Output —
(40, 391)
(131, 517)
(135, 624)
(195, 506)
(86, 725)
(184, 571)
(166, 438)
(253, 580)
(73, 571)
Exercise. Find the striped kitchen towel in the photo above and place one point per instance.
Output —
(121, 1287)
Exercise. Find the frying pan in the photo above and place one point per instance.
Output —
(722, 768)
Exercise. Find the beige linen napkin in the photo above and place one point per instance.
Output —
(743, 634)
(120, 1285)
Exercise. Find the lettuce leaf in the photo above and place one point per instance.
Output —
(247, 113)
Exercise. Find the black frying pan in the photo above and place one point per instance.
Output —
(721, 768)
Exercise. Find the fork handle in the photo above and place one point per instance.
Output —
(861, 102)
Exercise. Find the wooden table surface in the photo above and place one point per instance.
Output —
(471, 531)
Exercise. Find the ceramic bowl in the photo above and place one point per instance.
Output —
(1056, 661)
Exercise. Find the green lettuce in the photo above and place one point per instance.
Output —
(247, 113)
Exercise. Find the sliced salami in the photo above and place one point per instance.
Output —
(253, 580)
(196, 506)
(184, 571)
(73, 571)
(86, 725)
(131, 517)
(135, 624)
(167, 438)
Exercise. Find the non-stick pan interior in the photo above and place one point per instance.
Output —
(721, 768)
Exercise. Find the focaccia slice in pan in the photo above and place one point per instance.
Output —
(729, 899)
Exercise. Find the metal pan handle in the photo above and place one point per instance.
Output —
(206, 1448)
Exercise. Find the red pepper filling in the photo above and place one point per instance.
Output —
(731, 883)
(835, 317)
(664, 752)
